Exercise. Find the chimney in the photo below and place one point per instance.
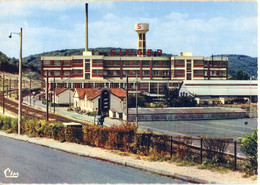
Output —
(86, 52)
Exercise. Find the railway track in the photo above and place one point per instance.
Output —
(33, 113)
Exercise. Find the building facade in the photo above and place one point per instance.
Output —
(150, 73)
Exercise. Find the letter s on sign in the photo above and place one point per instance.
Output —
(139, 26)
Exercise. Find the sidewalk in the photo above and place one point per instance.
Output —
(189, 174)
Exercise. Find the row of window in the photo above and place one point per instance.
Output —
(181, 63)
(62, 62)
(136, 63)
(64, 73)
(143, 86)
(196, 73)
(137, 72)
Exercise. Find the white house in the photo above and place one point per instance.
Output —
(87, 99)
(117, 103)
(63, 96)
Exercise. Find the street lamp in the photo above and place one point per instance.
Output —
(20, 80)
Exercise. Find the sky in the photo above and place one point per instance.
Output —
(203, 28)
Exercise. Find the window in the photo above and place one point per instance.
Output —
(66, 73)
(117, 63)
(189, 76)
(155, 63)
(166, 63)
(116, 73)
(87, 76)
(179, 63)
(179, 73)
(56, 63)
(188, 65)
(46, 62)
(125, 73)
(223, 73)
(87, 67)
(136, 72)
(145, 73)
(136, 63)
(97, 62)
(166, 72)
(77, 72)
(213, 73)
(146, 63)
(155, 73)
(77, 62)
(198, 72)
(126, 63)
(144, 85)
(66, 63)
(97, 72)
(198, 62)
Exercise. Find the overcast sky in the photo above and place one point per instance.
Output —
(203, 28)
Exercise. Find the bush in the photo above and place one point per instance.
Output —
(249, 147)
(215, 148)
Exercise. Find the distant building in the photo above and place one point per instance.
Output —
(208, 92)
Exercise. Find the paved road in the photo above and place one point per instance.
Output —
(37, 164)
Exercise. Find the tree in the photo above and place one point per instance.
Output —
(185, 101)
(132, 101)
(172, 99)
(240, 75)
(249, 147)
(170, 96)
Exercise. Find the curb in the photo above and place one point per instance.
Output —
(122, 163)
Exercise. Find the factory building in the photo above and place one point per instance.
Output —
(147, 71)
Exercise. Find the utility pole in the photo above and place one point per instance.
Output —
(20, 84)
(127, 98)
(10, 88)
(30, 91)
(47, 97)
(17, 83)
(54, 92)
(3, 93)
(136, 99)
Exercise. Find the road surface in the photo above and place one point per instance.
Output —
(38, 164)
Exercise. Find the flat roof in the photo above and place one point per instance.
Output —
(184, 110)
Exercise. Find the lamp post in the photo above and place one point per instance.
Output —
(20, 80)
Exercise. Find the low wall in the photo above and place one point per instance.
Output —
(197, 113)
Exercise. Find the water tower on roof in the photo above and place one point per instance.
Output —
(141, 29)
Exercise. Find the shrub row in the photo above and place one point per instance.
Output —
(38, 128)
(125, 138)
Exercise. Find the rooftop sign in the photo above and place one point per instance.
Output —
(141, 52)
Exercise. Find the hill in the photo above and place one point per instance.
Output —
(8, 64)
(241, 62)
(33, 62)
